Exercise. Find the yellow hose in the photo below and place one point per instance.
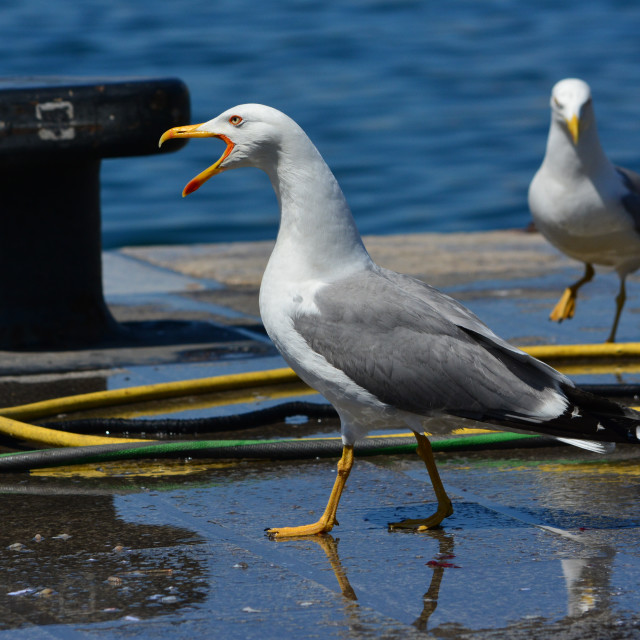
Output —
(583, 351)
(22, 431)
(144, 393)
(55, 438)
(42, 435)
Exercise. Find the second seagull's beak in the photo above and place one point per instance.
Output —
(574, 128)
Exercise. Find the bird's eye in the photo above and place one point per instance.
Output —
(557, 102)
(235, 120)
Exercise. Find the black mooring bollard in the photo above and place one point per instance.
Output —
(53, 135)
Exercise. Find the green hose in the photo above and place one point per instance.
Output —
(306, 448)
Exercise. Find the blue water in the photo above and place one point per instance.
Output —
(433, 115)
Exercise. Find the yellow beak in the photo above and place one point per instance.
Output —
(191, 131)
(574, 128)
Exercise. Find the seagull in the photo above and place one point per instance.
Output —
(584, 205)
(386, 349)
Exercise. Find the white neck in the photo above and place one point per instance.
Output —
(318, 237)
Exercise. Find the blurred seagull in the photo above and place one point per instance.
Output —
(583, 204)
(385, 349)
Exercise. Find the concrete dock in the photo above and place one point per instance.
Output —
(544, 542)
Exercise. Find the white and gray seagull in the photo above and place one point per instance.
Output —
(584, 205)
(386, 349)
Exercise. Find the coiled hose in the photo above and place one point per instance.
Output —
(80, 447)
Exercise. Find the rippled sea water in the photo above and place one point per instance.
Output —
(432, 115)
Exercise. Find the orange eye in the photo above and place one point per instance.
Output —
(235, 120)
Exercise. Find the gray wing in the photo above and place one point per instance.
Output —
(631, 200)
(421, 351)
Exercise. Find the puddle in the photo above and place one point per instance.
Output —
(71, 559)
(130, 554)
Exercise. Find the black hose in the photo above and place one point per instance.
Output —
(251, 419)
(210, 424)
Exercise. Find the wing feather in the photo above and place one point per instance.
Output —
(419, 350)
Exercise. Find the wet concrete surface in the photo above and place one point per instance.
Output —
(540, 544)
(543, 543)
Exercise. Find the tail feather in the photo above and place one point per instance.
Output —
(588, 417)
(590, 445)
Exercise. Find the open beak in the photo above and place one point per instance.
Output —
(574, 128)
(191, 131)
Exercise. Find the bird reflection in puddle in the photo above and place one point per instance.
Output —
(330, 547)
(439, 564)
(586, 579)
(441, 561)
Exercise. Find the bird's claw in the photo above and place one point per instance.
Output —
(424, 524)
(565, 308)
(277, 533)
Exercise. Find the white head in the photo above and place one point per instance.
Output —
(571, 106)
(254, 134)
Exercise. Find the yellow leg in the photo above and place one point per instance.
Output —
(620, 300)
(445, 509)
(328, 519)
(566, 306)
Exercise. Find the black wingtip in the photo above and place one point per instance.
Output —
(601, 419)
